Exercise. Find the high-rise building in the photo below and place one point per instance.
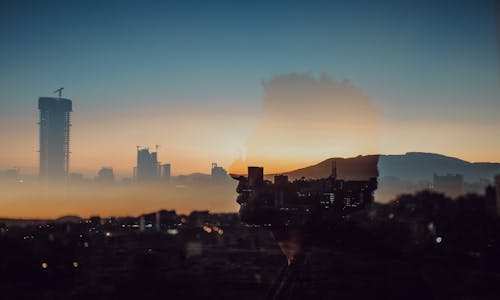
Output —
(54, 137)
(219, 174)
(166, 169)
(148, 168)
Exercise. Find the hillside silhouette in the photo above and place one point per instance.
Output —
(412, 166)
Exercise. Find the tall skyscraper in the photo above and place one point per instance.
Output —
(54, 137)
(148, 168)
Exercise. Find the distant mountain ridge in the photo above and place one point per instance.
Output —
(360, 167)
(412, 166)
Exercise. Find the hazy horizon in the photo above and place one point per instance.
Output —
(191, 78)
(283, 85)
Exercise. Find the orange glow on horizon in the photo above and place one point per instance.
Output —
(34, 201)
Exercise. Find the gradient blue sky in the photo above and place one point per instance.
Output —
(423, 62)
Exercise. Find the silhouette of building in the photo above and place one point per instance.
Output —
(280, 180)
(450, 184)
(166, 172)
(218, 173)
(497, 190)
(284, 202)
(148, 168)
(157, 221)
(54, 137)
(105, 175)
(255, 176)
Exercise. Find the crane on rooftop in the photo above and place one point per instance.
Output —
(59, 91)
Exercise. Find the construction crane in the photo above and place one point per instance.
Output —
(59, 91)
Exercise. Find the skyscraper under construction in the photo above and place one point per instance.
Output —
(54, 137)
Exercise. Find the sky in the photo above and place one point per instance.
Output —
(190, 76)
(309, 117)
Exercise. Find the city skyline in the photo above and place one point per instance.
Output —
(104, 195)
(196, 80)
(237, 164)
(284, 149)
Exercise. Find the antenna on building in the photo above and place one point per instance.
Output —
(59, 91)
(156, 147)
